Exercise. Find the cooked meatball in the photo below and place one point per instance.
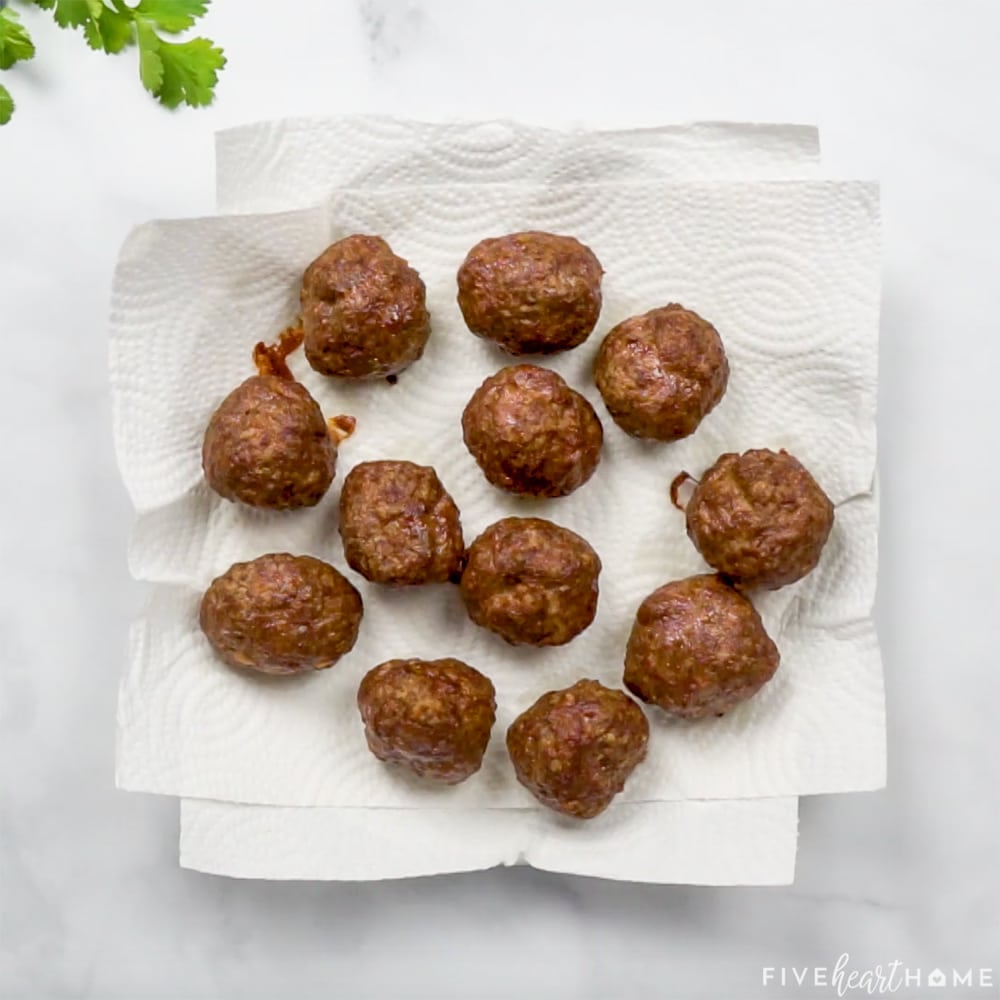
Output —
(281, 614)
(759, 518)
(661, 373)
(531, 582)
(575, 749)
(531, 293)
(531, 433)
(698, 648)
(399, 525)
(268, 446)
(431, 716)
(364, 310)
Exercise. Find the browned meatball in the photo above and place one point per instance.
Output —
(698, 648)
(281, 614)
(759, 518)
(363, 310)
(399, 525)
(531, 433)
(431, 716)
(531, 293)
(575, 749)
(268, 446)
(531, 581)
(661, 373)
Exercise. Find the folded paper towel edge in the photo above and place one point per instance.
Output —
(803, 130)
(785, 877)
(261, 851)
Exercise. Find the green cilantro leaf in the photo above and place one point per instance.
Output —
(178, 72)
(110, 31)
(172, 16)
(69, 13)
(15, 42)
(6, 105)
(173, 72)
(150, 63)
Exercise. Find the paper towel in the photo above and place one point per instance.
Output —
(705, 843)
(297, 162)
(710, 842)
(789, 274)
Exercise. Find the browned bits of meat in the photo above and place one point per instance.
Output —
(531, 293)
(531, 582)
(531, 433)
(661, 373)
(698, 648)
(399, 525)
(431, 716)
(575, 749)
(272, 359)
(364, 310)
(281, 614)
(759, 518)
(268, 446)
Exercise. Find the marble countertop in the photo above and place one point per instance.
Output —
(92, 903)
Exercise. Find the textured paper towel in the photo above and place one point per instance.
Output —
(704, 843)
(734, 842)
(789, 274)
(297, 162)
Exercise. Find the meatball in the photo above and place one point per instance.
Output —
(364, 310)
(433, 717)
(661, 373)
(531, 433)
(575, 749)
(531, 293)
(758, 518)
(531, 582)
(399, 525)
(698, 648)
(281, 614)
(268, 445)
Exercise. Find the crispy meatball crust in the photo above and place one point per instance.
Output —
(364, 310)
(759, 518)
(433, 717)
(532, 292)
(531, 433)
(531, 582)
(575, 749)
(267, 445)
(281, 614)
(698, 648)
(661, 373)
(399, 525)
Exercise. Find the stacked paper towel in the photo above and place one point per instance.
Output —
(733, 221)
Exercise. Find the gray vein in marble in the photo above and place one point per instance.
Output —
(390, 27)
(844, 899)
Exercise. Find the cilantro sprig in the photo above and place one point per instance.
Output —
(174, 72)
(15, 46)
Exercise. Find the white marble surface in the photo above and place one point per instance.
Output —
(92, 903)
